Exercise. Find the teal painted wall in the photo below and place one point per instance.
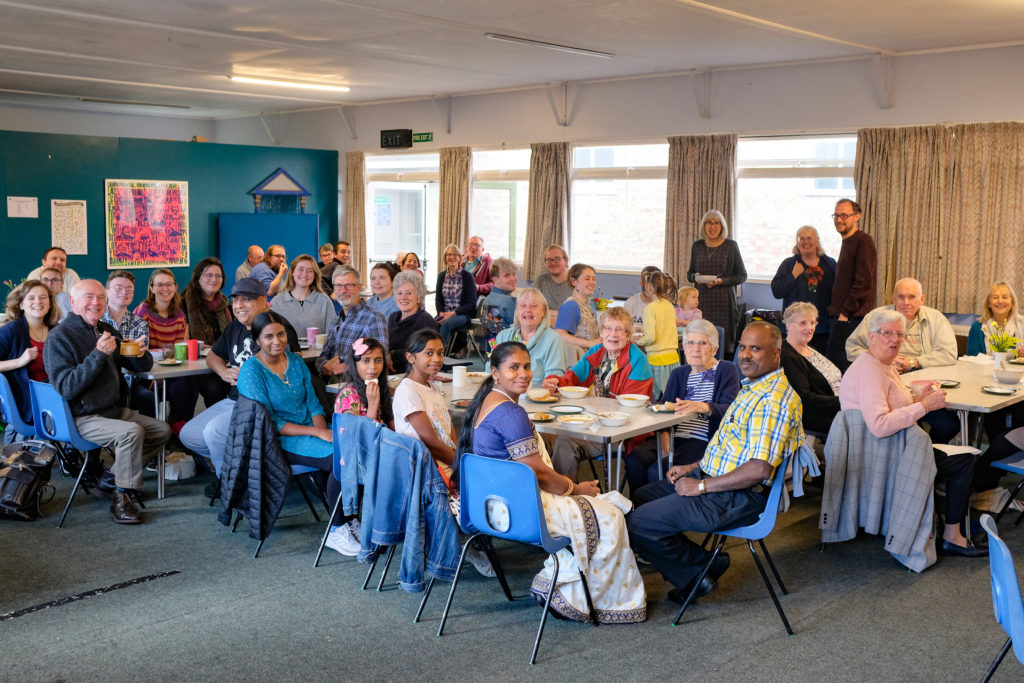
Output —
(50, 166)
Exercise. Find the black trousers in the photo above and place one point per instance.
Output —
(658, 524)
(957, 471)
(841, 330)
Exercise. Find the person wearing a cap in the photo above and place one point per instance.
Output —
(207, 433)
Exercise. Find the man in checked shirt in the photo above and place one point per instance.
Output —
(723, 490)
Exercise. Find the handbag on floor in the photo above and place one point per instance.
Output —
(24, 479)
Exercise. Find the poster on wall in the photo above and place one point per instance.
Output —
(67, 225)
(147, 223)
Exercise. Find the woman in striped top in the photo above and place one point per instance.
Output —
(701, 391)
(162, 310)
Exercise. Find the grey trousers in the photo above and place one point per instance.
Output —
(134, 438)
(567, 453)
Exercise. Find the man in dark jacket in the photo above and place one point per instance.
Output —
(83, 360)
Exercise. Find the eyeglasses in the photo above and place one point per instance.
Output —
(892, 334)
(842, 216)
(553, 260)
(50, 280)
(339, 285)
(694, 342)
(211, 276)
(164, 285)
(122, 289)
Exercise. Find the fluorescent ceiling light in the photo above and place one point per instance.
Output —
(134, 103)
(289, 84)
(550, 46)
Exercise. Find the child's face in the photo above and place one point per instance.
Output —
(428, 361)
(691, 300)
(370, 365)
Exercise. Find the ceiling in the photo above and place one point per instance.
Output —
(173, 58)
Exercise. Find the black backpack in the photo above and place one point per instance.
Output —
(24, 479)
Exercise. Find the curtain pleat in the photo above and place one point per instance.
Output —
(453, 200)
(355, 209)
(548, 216)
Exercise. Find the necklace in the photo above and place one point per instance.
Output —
(502, 393)
(283, 375)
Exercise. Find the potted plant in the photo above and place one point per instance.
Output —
(1002, 343)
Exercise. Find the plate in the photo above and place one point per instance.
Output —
(566, 410)
(303, 347)
(1016, 361)
(461, 403)
(547, 399)
(541, 417)
(660, 408)
(1000, 391)
(949, 383)
(169, 361)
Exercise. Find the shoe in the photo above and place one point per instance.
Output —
(719, 566)
(342, 540)
(478, 558)
(106, 484)
(212, 489)
(356, 528)
(948, 548)
(707, 584)
(122, 509)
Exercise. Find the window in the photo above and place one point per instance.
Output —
(500, 200)
(402, 197)
(618, 205)
(783, 184)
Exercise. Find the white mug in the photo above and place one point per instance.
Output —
(459, 376)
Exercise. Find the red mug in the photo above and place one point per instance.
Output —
(193, 349)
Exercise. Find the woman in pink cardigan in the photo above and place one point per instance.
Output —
(872, 385)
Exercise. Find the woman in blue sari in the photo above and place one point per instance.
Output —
(496, 426)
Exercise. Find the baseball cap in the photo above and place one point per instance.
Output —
(250, 287)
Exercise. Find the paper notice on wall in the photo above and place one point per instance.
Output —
(23, 207)
(67, 225)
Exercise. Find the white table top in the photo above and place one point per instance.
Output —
(199, 367)
(972, 377)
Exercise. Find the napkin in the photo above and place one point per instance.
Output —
(980, 359)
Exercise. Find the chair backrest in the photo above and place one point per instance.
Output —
(720, 353)
(766, 522)
(502, 498)
(1006, 600)
(52, 417)
(9, 410)
(339, 454)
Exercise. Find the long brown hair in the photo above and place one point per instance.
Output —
(175, 304)
(289, 282)
(18, 295)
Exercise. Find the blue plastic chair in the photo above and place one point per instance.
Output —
(54, 422)
(513, 486)
(1015, 465)
(720, 354)
(750, 533)
(10, 412)
(1006, 600)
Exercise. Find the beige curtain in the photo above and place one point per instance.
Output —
(355, 209)
(701, 177)
(547, 220)
(453, 209)
(943, 204)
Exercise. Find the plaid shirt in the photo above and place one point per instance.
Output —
(360, 321)
(765, 422)
(131, 327)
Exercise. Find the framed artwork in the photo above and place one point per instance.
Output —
(147, 223)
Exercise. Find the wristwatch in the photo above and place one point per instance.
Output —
(700, 487)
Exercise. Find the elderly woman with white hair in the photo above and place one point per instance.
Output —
(808, 275)
(716, 267)
(873, 386)
(701, 391)
(813, 377)
(409, 292)
(549, 354)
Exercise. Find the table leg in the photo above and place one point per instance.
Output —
(657, 450)
(618, 466)
(608, 465)
(964, 436)
(160, 396)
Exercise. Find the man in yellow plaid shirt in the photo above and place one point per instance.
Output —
(759, 429)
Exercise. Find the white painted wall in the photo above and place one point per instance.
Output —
(36, 120)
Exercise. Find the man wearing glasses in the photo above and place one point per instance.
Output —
(554, 284)
(54, 282)
(479, 265)
(853, 294)
(272, 271)
(355, 320)
(928, 341)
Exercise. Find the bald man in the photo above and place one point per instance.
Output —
(84, 362)
(252, 257)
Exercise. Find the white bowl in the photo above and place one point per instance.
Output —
(537, 394)
(1009, 376)
(612, 419)
(574, 392)
(578, 422)
(632, 400)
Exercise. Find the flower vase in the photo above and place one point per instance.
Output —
(999, 357)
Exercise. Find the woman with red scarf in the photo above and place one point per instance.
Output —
(808, 276)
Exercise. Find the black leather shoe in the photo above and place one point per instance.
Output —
(719, 566)
(106, 485)
(707, 584)
(948, 548)
(123, 510)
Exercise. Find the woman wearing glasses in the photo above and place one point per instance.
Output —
(701, 391)
(872, 385)
(813, 377)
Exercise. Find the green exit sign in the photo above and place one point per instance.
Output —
(422, 137)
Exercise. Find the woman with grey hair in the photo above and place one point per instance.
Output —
(454, 295)
(699, 391)
(409, 294)
(549, 354)
(807, 275)
(813, 377)
(716, 267)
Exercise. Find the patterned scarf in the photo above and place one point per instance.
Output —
(814, 275)
(605, 370)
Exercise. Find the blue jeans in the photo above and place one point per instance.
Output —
(452, 324)
(207, 433)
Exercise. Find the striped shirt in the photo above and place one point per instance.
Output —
(700, 386)
(163, 330)
(765, 422)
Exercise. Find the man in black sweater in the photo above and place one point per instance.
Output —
(83, 361)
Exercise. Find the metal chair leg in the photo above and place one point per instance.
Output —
(771, 591)
(387, 563)
(998, 661)
(1006, 505)
(590, 602)
(369, 573)
(259, 546)
(74, 490)
(544, 614)
(492, 555)
(696, 582)
(327, 531)
(455, 584)
(309, 503)
(423, 602)
(771, 564)
(237, 520)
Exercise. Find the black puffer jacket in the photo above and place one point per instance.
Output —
(255, 475)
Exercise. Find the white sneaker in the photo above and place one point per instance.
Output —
(356, 528)
(478, 558)
(342, 540)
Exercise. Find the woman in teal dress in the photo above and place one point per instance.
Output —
(496, 426)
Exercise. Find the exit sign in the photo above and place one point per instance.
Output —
(422, 137)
